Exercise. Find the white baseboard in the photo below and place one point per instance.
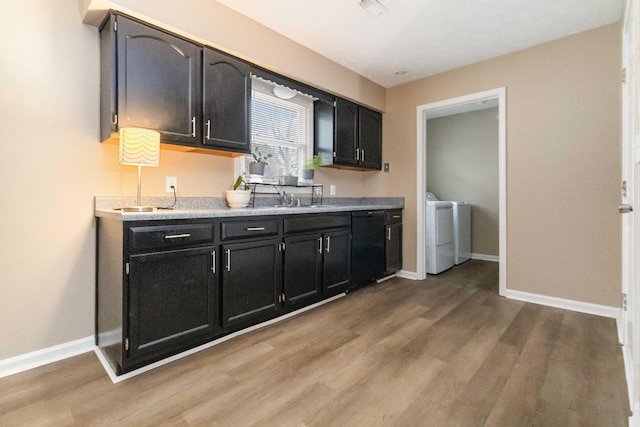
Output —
(579, 306)
(405, 274)
(483, 257)
(118, 378)
(45, 356)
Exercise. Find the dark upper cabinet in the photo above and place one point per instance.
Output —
(370, 138)
(171, 301)
(348, 135)
(150, 79)
(226, 102)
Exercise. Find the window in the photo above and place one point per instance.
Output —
(280, 127)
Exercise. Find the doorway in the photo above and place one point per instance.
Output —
(423, 113)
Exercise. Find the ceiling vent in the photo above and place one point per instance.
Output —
(373, 7)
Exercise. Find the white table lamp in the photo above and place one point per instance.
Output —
(139, 147)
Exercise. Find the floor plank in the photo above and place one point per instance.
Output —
(444, 351)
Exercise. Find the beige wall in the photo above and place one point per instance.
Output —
(53, 164)
(563, 161)
(462, 164)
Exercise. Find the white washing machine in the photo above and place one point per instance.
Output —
(461, 232)
(440, 245)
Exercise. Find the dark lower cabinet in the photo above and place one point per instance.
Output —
(171, 299)
(393, 242)
(336, 269)
(393, 248)
(251, 281)
(166, 286)
(302, 268)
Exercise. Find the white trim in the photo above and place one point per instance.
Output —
(483, 257)
(45, 356)
(406, 274)
(119, 378)
(566, 304)
(421, 156)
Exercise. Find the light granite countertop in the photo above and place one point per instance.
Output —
(215, 207)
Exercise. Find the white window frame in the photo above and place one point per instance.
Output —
(263, 89)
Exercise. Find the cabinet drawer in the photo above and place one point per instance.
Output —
(169, 236)
(316, 222)
(249, 228)
(393, 217)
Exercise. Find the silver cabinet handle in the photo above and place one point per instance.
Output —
(193, 126)
(362, 155)
(209, 129)
(213, 262)
(228, 259)
(623, 209)
(177, 236)
(255, 228)
(389, 233)
(320, 245)
(396, 216)
(328, 248)
(357, 154)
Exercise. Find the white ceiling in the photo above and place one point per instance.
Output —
(424, 37)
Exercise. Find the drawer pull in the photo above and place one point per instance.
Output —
(177, 236)
(255, 228)
(396, 216)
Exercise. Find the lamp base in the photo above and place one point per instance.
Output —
(139, 209)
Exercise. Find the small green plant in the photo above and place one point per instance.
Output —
(240, 182)
(314, 162)
(259, 158)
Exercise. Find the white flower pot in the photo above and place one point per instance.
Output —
(238, 198)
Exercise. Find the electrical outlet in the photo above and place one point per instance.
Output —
(172, 181)
(332, 190)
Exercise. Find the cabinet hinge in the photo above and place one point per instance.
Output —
(623, 75)
(334, 154)
(115, 26)
(282, 297)
(126, 344)
(281, 247)
(126, 269)
(624, 302)
(115, 119)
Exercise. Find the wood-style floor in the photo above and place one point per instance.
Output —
(447, 351)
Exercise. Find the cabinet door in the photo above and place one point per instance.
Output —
(393, 248)
(158, 82)
(370, 136)
(227, 97)
(171, 301)
(250, 282)
(302, 268)
(346, 128)
(337, 261)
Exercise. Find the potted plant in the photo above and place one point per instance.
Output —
(256, 167)
(306, 174)
(240, 194)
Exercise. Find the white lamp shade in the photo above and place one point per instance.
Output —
(139, 147)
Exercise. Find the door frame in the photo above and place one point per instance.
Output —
(421, 169)
(629, 321)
